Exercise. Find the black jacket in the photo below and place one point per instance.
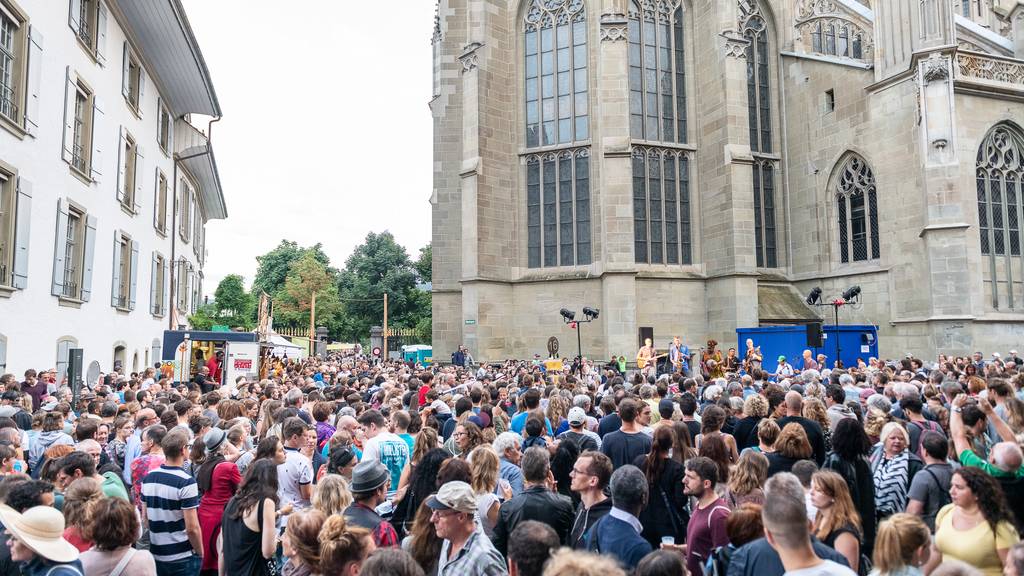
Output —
(585, 520)
(535, 503)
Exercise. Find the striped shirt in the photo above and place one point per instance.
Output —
(167, 492)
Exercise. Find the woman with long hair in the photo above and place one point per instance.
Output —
(836, 523)
(977, 528)
(343, 548)
(747, 479)
(711, 424)
(422, 483)
(850, 447)
(426, 440)
(715, 448)
(682, 445)
(814, 410)
(791, 447)
(467, 436)
(332, 495)
(902, 546)
(562, 462)
(423, 542)
(484, 465)
(248, 537)
(301, 543)
(663, 515)
(80, 499)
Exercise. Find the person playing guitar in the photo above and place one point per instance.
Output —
(645, 358)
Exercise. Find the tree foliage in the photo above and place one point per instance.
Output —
(307, 276)
(424, 263)
(274, 265)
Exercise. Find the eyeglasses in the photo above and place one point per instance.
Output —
(459, 434)
(577, 472)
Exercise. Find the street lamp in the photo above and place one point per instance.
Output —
(849, 296)
(569, 317)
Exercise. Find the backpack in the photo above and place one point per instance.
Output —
(944, 497)
(931, 427)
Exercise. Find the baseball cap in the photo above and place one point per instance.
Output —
(782, 358)
(577, 415)
(454, 495)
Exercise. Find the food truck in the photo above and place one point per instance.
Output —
(186, 351)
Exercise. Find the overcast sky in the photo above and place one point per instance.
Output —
(326, 134)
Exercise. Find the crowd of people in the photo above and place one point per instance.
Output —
(349, 466)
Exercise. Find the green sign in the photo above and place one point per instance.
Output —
(470, 322)
(220, 328)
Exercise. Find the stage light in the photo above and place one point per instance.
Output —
(569, 315)
(851, 293)
(814, 297)
(591, 313)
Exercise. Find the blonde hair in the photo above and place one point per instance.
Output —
(566, 562)
(875, 421)
(898, 538)
(842, 511)
(892, 427)
(332, 495)
(768, 431)
(814, 409)
(426, 440)
(80, 500)
(484, 465)
(341, 545)
(755, 405)
(749, 473)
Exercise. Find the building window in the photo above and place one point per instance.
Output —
(128, 165)
(11, 63)
(160, 203)
(1000, 172)
(122, 271)
(3, 354)
(558, 208)
(197, 225)
(158, 282)
(557, 105)
(88, 19)
(185, 210)
(857, 207)
(661, 206)
(73, 244)
(80, 150)
(8, 198)
(182, 277)
(164, 127)
(759, 115)
(64, 346)
(197, 291)
(133, 80)
(657, 83)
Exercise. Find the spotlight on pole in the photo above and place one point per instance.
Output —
(591, 313)
(851, 293)
(568, 315)
(814, 297)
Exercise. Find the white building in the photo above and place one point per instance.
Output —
(105, 185)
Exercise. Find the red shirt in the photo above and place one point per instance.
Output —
(214, 369)
(705, 532)
(423, 395)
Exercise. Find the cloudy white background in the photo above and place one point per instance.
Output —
(326, 132)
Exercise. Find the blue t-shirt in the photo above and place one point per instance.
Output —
(519, 422)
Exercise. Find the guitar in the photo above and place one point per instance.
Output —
(641, 363)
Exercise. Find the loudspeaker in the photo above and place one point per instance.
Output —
(645, 332)
(814, 339)
(74, 369)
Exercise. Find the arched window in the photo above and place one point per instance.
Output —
(64, 345)
(857, 207)
(657, 81)
(1000, 170)
(661, 206)
(557, 106)
(557, 115)
(755, 30)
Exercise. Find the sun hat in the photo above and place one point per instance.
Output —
(41, 528)
(577, 415)
(214, 439)
(454, 495)
(368, 476)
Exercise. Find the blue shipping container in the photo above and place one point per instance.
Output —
(855, 341)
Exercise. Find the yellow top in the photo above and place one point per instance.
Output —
(976, 546)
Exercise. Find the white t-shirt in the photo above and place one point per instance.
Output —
(389, 450)
(296, 471)
(826, 568)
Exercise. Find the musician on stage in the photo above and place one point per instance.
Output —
(679, 356)
(645, 359)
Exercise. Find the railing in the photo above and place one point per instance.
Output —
(83, 24)
(122, 300)
(78, 156)
(991, 70)
(4, 279)
(70, 288)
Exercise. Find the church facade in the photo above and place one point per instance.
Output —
(689, 167)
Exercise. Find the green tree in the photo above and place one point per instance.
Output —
(307, 276)
(376, 266)
(204, 318)
(274, 265)
(424, 262)
(233, 305)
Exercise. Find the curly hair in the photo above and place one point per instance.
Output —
(814, 409)
(989, 493)
(750, 473)
(755, 406)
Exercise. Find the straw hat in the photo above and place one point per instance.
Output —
(41, 528)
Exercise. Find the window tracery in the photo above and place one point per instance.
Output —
(1000, 172)
(657, 80)
(857, 208)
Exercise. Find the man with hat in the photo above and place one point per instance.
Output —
(465, 550)
(370, 481)
(578, 433)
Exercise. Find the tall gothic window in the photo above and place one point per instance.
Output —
(857, 206)
(657, 83)
(557, 106)
(557, 115)
(759, 112)
(1000, 171)
(661, 206)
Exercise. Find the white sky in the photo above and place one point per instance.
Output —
(326, 132)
